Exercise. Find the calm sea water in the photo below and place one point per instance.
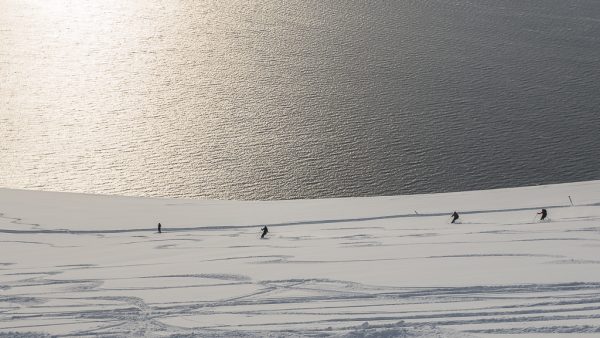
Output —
(297, 99)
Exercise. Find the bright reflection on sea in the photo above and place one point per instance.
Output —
(277, 99)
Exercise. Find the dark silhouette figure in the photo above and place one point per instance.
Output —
(454, 217)
(544, 213)
(159, 228)
(265, 231)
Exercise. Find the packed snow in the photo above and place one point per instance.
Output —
(89, 265)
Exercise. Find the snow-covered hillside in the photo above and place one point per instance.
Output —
(73, 264)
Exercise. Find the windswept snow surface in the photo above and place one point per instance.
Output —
(87, 265)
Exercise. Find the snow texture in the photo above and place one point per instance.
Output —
(87, 265)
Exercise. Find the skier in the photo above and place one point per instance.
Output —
(265, 231)
(544, 213)
(159, 228)
(454, 217)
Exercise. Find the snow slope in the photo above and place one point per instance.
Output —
(74, 264)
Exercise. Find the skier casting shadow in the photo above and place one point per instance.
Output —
(454, 217)
(544, 213)
(265, 230)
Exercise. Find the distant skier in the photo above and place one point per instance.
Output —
(265, 230)
(159, 228)
(454, 217)
(544, 213)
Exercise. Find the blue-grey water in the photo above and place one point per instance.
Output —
(297, 99)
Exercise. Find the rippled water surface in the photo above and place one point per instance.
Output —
(297, 99)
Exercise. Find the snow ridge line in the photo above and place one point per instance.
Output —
(16, 220)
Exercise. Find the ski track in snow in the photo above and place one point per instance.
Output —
(408, 275)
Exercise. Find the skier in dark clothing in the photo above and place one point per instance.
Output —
(265, 231)
(159, 228)
(544, 213)
(454, 217)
